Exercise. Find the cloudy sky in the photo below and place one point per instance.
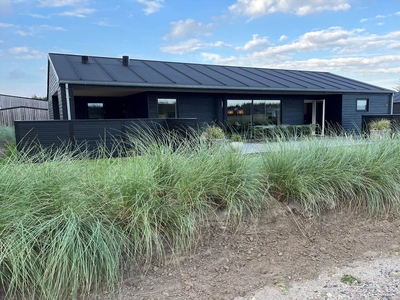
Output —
(359, 39)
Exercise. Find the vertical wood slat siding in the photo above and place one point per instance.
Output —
(352, 119)
(19, 108)
(8, 116)
(87, 134)
(292, 110)
(203, 107)
(52, 89)
(396, 108)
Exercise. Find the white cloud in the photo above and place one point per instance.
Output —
(258, 8)
(190, 46)
(363, 20)
(380, 23)
(26, 53)
(254, 43)
(18, 50)
(104, 23)
(283, 38)
(34, 30)
(152, 6)
(184, 47)
(79, 12)
(380, 17)
(60, 3)
(24, 33)
(37, 16)
(7, 25)
(186, 27)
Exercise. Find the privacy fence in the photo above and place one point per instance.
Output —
(90, 134)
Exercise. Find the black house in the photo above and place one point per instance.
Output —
(88, 87)
(396, 103)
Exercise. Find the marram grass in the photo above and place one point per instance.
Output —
(70, 225)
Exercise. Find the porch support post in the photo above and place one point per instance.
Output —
(314, 114)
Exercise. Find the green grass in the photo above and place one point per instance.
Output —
(69, 225)
(7, 135)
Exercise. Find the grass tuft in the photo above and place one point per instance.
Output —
(70, 222)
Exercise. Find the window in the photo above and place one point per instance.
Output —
(96, 110)
(167, 108)
(244, 113)
(362, 104)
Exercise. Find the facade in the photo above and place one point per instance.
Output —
(396, 104)
(20, 108)
(88, 87)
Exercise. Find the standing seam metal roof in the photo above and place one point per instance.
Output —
(396, 97)
(105, 70)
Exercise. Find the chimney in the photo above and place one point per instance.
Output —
(85, 59)
(125, 60)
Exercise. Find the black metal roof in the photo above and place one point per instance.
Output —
(92, 70)
(396, 97)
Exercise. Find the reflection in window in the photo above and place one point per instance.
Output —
(244, 113)
(167, 108)
(96, 110)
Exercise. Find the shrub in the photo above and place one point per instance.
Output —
(379, 124)
(7, 135)
(214, 132)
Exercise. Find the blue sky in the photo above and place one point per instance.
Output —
(359, 39)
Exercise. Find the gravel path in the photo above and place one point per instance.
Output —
(378, 279)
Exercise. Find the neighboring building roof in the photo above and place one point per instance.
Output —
(396, 97)
(91, 70)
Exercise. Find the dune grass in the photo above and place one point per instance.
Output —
(7, 135)
(70, 225)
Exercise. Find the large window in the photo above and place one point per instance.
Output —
(167, 108)
(242, 114)
(96, 110)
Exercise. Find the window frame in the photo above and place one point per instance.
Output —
(167, 99)
(366, 104)
(96, 105)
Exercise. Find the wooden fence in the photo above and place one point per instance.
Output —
(18, 108)
(89, 135)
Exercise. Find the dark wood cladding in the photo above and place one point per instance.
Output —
(89, 134)
(396, 108)
(378, 104)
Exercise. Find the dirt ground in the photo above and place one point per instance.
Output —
(279, 250)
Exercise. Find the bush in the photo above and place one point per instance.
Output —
(7, 135)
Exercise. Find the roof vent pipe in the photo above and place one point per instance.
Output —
(125, 60)
(85, 59)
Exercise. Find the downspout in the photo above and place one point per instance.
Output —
(68, 105)
(391, 104)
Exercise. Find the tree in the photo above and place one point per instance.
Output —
(34, 96)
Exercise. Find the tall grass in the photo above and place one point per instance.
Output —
(7, 135)
(321, 175)
(69, 225)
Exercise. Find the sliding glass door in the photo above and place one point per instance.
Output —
(242, 115)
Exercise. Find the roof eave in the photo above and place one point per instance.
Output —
(220, 88)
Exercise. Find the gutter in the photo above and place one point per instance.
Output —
(218, 88)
